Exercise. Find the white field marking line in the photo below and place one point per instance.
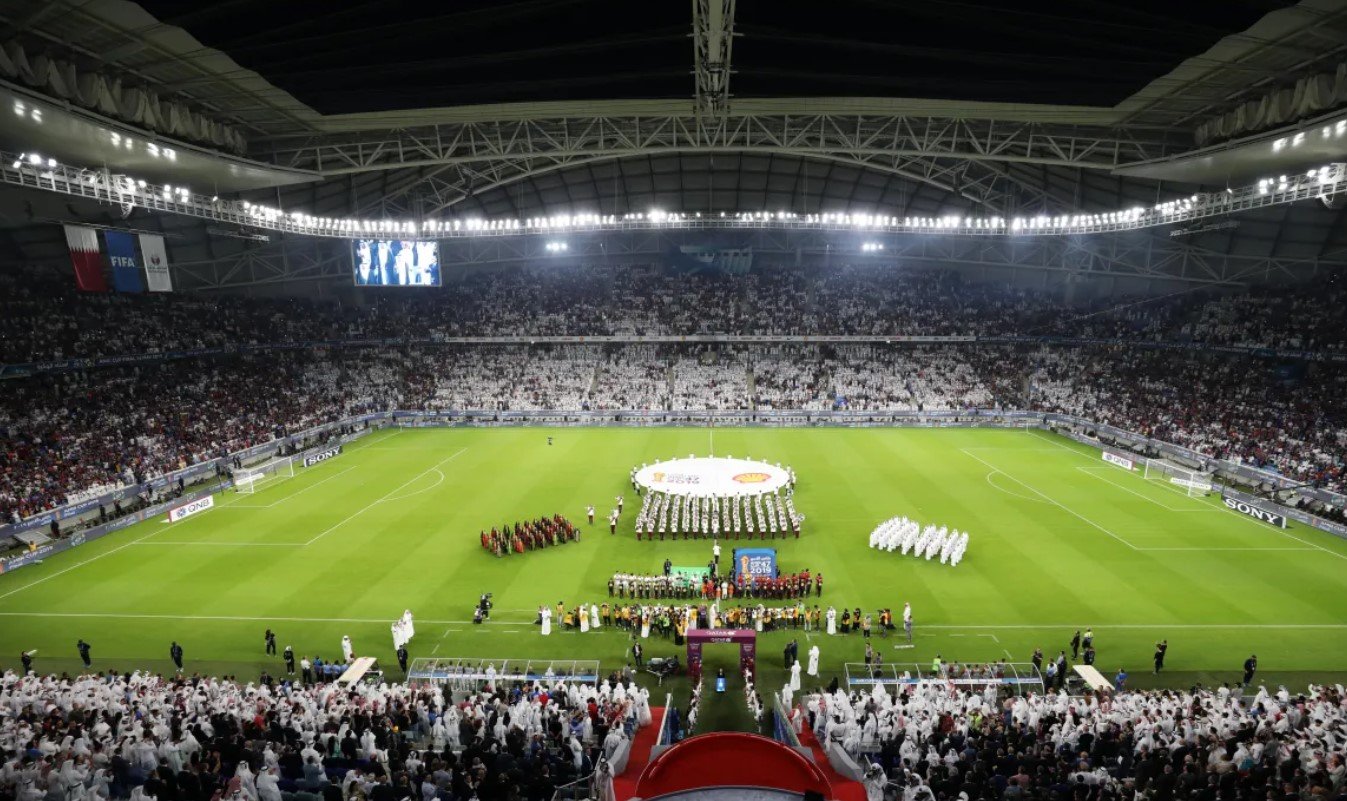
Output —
(380, 436)
(385, 497)
(1050, 499)
(237, 619)
(77, 564)
(228, 505)
(1091, 471)
(435, 650)
(223, 544)
(420, 491)
(1008, 492)
(1227, 549)
(939, 626)
(1007, 448)
(1283, 532)
(1008, 654)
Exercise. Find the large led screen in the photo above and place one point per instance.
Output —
(397, 262)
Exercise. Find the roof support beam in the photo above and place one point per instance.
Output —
(712, 44)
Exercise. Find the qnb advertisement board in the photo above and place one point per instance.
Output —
(188, 509)
(397, 262)
(1121, 461)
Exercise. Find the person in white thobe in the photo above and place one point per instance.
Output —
(813, 661)
(832, 621)
(347, 652)
(547, 621)
(795, 676)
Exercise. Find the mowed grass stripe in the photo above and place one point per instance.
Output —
(1029, 564)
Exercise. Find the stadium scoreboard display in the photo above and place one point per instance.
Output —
(396, 262)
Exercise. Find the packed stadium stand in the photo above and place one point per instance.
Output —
(1108, 240)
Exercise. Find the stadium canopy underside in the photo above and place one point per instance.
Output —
(710, 151)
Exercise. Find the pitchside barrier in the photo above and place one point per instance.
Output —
(89, 535)
(468, 675)
(1084, 431)
(1018, 677)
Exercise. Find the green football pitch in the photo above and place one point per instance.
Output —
(1059, 540)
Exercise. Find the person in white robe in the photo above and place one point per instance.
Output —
(593, 616)
(584, 621)
(795, 676)
(547, 621)
(813, 661)
(347, 652)
(832, 621)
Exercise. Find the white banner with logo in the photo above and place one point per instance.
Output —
(1254, 511)
(189, 509)
(1121, 461)
(321, 456)
(156, 263)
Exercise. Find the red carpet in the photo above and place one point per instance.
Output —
(844, 789)
(625, 785)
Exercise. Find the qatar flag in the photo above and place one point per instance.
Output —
(85, 257)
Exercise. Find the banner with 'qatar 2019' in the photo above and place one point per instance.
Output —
(397, 262)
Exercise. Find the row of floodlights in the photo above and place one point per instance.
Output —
(1165, 212)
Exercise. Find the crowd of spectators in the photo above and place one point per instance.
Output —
(934, 742)
(70, 435)
(42, 318)
(64, 436)
(141, 736)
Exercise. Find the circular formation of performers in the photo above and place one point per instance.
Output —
(530, 535)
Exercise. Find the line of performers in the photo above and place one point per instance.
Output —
(900, 533)
(766, 514)
(675, 620)
(530, 535)
(683, 585)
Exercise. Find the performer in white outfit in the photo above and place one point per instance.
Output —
(347, 652)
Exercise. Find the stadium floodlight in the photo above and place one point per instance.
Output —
(556, 247)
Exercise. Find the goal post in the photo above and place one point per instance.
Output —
(1192, 483)
(249, 480)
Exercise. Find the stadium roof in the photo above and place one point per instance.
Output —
(519, 108)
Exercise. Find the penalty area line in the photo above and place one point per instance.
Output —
(1048, 498)
(386, 496)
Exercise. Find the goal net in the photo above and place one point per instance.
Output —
(1191, 482)
(249, 480)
